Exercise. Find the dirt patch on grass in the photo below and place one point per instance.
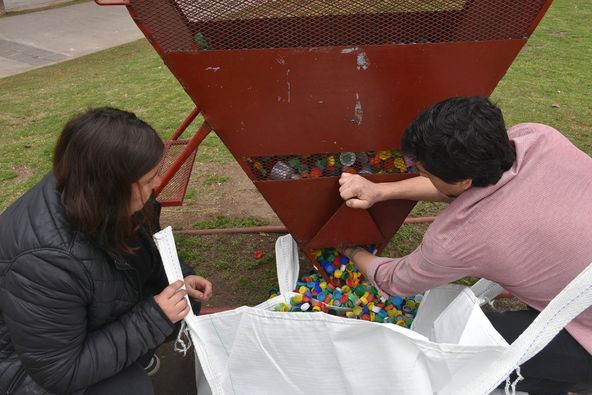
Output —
(219, 190)
(23, 173)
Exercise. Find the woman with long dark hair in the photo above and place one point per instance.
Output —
(84, 299)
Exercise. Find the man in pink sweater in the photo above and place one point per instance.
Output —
(520, 214)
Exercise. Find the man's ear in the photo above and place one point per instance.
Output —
(465, 184)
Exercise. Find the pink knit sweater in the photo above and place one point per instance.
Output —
(531, 232)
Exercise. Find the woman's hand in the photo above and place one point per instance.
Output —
(172, 302)
(198, 288)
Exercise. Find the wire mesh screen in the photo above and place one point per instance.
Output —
(181, 25)
(293, 167)
(174, 191)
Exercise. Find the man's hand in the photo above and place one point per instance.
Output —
(172, 302)
(198, 288)
(357, 191)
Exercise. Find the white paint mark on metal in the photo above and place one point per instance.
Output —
(363, 62)
(349, 50)
(281, 60)
(358, 112)
(214, 69)
(289, 86)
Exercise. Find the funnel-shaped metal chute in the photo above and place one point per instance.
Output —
(300, 91)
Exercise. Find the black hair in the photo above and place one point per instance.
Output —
(461, 138)
(98, 156)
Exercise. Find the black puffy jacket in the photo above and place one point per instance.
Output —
(71, 314)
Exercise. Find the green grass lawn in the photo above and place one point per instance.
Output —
(550, 82)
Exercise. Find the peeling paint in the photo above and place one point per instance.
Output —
(214, 69)
(289, 86)
(349, 50)
(281, 60)
(358, 112)
(363, 62)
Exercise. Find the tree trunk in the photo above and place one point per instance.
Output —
(2, 9)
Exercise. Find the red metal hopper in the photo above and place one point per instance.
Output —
(300, 91)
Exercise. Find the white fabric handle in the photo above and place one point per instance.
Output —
(567, 305)
(486, 290)
(286, 259)
(165, 242)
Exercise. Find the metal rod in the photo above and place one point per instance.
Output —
(418, 220)
(185, 124)
(104, 3)
(252, 229)
(272, 228)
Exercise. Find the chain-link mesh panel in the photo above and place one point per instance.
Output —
(293, 167)
(179, 25)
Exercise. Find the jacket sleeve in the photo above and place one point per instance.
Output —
(44, 301)
(185, 268)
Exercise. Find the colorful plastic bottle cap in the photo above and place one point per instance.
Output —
(366, 169)
(362, 158)
(347, 158)
(281, 171)
(397, 300)
(360, 290)
(315, 172)
(384, 155)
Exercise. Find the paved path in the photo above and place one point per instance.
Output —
(45, 37)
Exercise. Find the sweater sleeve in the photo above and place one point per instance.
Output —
(44, 302)
(427, 267)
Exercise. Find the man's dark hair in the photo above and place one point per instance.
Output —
(461, 138)
(98, 156)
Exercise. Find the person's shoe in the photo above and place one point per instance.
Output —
(152, 368)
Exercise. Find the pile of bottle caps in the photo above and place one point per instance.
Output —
(348, 294)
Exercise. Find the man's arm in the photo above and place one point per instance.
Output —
(427, 267)
(362, 193)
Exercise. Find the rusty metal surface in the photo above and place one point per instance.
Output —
(303, 101)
